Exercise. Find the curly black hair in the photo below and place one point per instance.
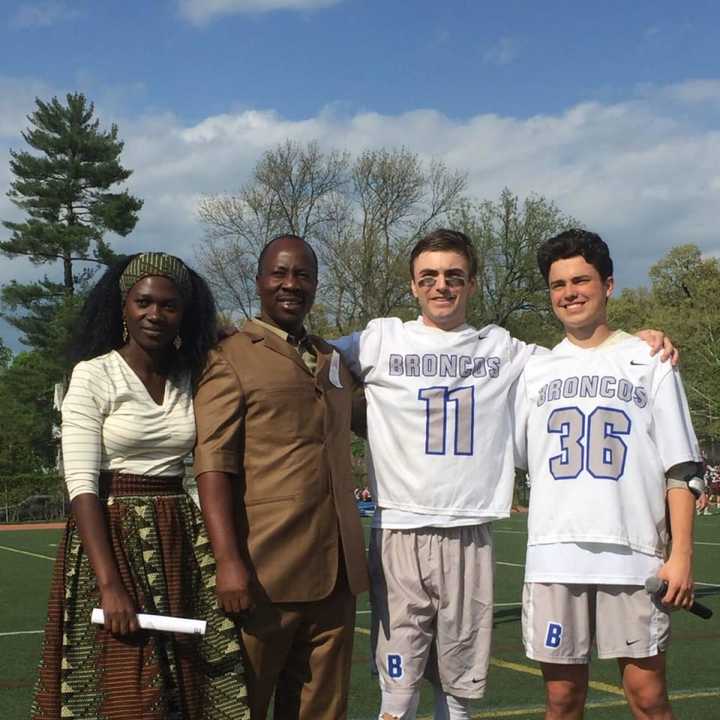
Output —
(573, 243)
(99, 328)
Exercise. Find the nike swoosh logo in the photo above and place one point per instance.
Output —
(631, 642)
(632, 362)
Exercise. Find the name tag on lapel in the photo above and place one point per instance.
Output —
(334, 374)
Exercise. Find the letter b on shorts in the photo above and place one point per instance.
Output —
(395, 666)
(553, 636)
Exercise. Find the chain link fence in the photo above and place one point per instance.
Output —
(36, 508)
(32, 498)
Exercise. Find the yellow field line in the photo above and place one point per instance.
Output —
(25, 552)
(692, 694)
(529, 670)
(597, 704)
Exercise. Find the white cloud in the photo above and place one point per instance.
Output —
(503, 52)
(644, 173)
(200, 12)
(17, 101)
(694, 91)
(42, 14)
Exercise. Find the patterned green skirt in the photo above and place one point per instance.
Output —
(164, 557)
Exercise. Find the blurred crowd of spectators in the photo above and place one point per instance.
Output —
(712, 491)
(363, 494)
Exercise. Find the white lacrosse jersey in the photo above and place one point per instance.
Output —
(597, 429)
(439, 419)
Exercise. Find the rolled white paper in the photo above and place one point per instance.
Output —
(163, 623)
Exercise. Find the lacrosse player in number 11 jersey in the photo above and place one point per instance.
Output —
(441, 469)
(603, 428)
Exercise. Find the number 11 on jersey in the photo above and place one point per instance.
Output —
(462, 402)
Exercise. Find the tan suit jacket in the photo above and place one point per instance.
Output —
(285, 434)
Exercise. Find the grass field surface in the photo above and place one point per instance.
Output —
(515, 688)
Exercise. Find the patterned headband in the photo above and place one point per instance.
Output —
(154, 263)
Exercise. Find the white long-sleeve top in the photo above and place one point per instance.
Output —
(110, 422)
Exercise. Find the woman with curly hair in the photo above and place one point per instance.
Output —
(135, 541)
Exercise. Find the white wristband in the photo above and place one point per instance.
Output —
(697, 486)
(163, 623)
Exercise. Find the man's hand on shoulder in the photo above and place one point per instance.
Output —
(659, 342)
(226, 331)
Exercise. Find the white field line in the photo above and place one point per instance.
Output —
(359, 612)
(497, 562)
(25, 552)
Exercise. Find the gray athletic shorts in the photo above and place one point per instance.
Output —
(560, 622)
(432, 607)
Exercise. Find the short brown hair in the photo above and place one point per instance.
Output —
(444, 239)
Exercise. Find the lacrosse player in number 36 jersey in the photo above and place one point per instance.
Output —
(605, 433)
(441, 468)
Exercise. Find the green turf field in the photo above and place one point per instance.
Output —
(515, 690)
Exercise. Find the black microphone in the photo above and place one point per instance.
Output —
(657, 587)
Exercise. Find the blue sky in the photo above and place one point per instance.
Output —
(611, 110)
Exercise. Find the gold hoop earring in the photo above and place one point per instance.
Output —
(125, 334)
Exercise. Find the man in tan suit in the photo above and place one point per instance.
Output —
(273, 412)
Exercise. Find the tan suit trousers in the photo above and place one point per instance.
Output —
(301, 654)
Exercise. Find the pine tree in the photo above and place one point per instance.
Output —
(66, 185)
(65, 188)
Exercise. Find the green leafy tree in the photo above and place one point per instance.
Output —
(5, 355)
(66, 184)
(46, 316)
(65, 188)
(687, 291)
(633, 308)
(26, 415)
(684, 300)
